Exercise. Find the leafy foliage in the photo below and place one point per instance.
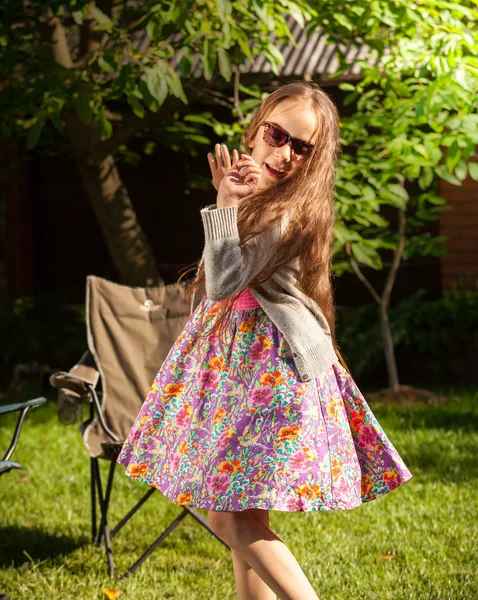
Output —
(414, 121)
(430, 329)
(139, 54)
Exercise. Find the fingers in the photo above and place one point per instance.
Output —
(222, 156)
(244, 171)
(250, 173)
(212, 162)
(245, 160)
(220, 162)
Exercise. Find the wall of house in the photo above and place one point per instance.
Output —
(460, 225)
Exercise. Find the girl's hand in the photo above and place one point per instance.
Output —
(241, 180)
(221, 164)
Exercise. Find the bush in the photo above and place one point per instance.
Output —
(439, 336)
(41, 330)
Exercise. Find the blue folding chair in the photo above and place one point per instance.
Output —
(6, 464)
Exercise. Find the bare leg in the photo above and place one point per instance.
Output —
(249, 585)
(264, 551)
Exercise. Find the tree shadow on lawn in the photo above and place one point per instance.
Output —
(452, 416)
(430, 464)
(39, 544)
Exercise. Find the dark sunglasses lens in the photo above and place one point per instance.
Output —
(301, 149)
(275, 137)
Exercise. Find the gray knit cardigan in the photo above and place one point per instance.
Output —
(296, 316)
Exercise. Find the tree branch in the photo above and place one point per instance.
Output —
(361, 276)
(53, 32)
(89, 42)
(237, 103)
(397, 255)
(135, 125)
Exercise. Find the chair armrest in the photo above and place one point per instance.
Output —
(8, 408)
(23, 407)
(74, 383)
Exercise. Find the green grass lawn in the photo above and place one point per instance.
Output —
(429, 525)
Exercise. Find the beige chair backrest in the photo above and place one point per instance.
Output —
(130, 332)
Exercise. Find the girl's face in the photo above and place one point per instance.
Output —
(300, 122)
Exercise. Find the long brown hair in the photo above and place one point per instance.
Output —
(306, 195)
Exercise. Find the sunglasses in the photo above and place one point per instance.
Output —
(276, 136)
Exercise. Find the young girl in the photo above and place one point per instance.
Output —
(254, 408)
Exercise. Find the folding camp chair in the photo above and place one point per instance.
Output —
(6, 464)
(130, 331)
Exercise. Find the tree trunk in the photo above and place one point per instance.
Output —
(126, 241)
(388, 347)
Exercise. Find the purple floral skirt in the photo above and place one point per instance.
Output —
(232, 428)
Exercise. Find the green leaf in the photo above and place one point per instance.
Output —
(83, 108)
(366, 255)
(348, 87)
(344, 234)
(146, 99)
(107, 64)
(398, 190)
(101, 19)
(251, 90)
(249, 104)
(176, 86)
(426, 177)
(56, 119)
(34, 133)
(243, 42)
(104, 126)
(473, 170)
(352, 188)
(206, 120)
(343, 20)
(226, 35)
(224, 9)
(224, 64)
(461, 170)
(200, 139)
(185, 57)
(137, 106)
(349, 98)
(297, 14)
(447, 176)
(77, 17)
(453, 156)
(208, 59)
(377, 220)
(155, 80)
(276, 53)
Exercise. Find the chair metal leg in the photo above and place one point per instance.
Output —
(154, 545)
(135, 508)
(93, 499)
(104, 530)
(194, 513)
(103, 533)
(106, 499)
(199, 517)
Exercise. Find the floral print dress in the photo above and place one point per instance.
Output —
(230, 427)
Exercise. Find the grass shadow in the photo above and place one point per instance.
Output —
(17, 542)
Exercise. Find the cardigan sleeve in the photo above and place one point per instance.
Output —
(227, 269)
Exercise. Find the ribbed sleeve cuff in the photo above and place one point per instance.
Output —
(219, 223)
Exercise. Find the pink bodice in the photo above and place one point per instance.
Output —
(246, 300)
